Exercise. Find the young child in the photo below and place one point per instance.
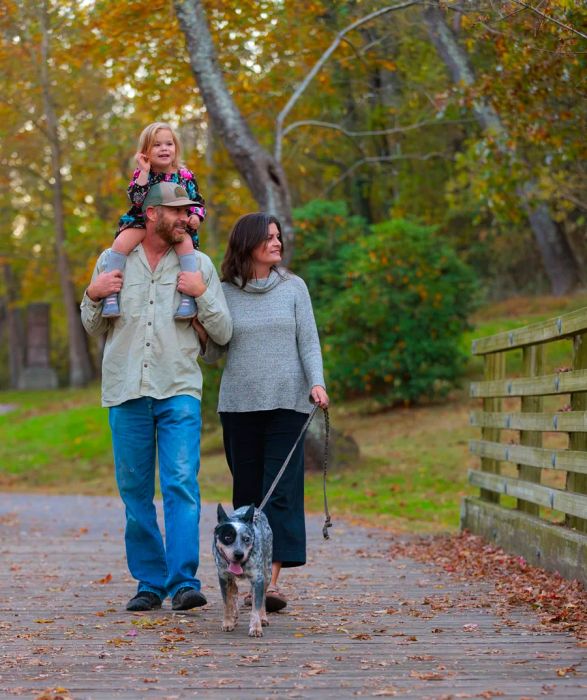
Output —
(158, 160)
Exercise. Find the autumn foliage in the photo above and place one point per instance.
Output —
(382, 126)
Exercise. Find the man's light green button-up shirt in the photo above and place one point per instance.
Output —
(147, 352)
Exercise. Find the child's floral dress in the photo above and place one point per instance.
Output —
(134, 216)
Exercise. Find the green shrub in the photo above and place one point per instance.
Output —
(391, 306)
(323, 231)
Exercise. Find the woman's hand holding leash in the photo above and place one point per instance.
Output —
(319, 396)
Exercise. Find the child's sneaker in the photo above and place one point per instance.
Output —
(113, 261)
(187, 308)
(110, 308)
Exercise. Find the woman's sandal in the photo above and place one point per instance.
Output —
(274, 601)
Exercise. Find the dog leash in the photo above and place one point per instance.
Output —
(327, 519)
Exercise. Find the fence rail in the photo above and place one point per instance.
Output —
(544, 522)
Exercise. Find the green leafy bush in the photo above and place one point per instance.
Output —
(323, 231)
(391, 306)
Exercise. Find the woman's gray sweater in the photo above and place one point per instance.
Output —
(273, 358)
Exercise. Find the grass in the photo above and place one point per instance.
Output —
(59, 441)
(413, 469)
(517, 312)
(411, 474)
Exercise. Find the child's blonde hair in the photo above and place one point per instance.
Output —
(147, 139)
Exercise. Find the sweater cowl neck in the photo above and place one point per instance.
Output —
(255, 286)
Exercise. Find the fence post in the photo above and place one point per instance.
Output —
(577, 483)
(494, 369)
(533, 363)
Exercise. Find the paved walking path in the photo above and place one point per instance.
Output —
(358, 623)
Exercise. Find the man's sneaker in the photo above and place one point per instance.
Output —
(188, 598)
(144, 600)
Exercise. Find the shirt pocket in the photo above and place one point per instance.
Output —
(166, 296)
(134, 298)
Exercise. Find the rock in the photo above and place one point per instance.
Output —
(342, 449)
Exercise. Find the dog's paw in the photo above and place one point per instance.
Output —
(265, 621)
(228, 626)
(255, 631)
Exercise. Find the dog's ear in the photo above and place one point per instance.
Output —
(222, 517)
(248, 516)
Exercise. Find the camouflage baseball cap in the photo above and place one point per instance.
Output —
(167, 194)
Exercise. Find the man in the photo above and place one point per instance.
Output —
(152, 384)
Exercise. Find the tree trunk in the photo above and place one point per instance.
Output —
(15, 329)
(558, 259)
(262, 173)
(80, 366)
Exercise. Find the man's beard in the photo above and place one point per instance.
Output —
(167, 230)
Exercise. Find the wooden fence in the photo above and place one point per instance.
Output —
(533, 446)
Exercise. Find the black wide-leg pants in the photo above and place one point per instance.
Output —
(256, 444)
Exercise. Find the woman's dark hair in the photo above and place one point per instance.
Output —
(249, 231)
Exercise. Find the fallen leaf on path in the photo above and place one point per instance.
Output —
(429, 675)
(146, 622)
(562, 672)
(197, 652)
(118, 641)
(251, 659)
(388, 692)
(54, 694)
(561, 603)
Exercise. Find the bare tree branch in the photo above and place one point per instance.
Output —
(321, 61)
(550, 19)
(574, 200)
(379, 132)
(379, 159)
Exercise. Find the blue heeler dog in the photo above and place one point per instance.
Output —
(243, 547)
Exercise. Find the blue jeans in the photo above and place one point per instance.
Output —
(171, 427)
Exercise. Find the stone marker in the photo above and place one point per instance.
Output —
(37, 373)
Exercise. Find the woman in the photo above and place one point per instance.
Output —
(272, 375)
